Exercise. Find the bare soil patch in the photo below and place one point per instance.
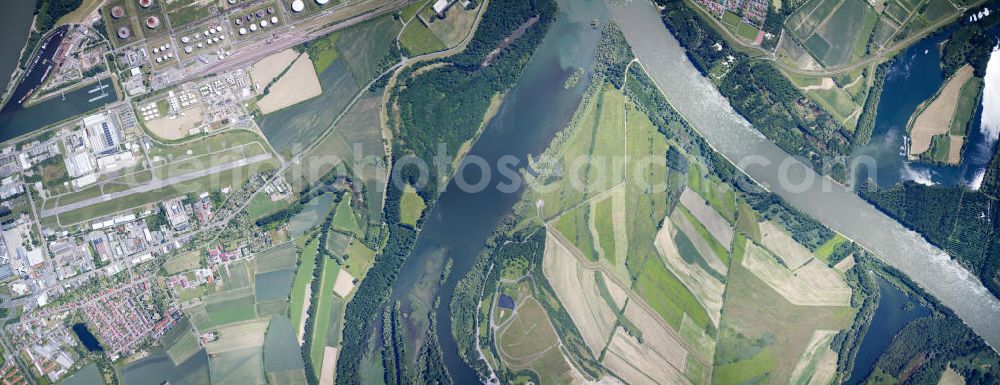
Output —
(703, 285)
(813, 284)
(298, 84)
(577, 290)
(638, 365)
(792, 253)
(344, 283)
(711, 219)
(935, 118)
(264, 71)
(176, 127)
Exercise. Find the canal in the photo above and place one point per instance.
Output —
(460, 222)
(832, 204)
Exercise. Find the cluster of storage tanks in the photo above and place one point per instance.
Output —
(253, 21)
(299, 6)
(211, 36)
(164, 53)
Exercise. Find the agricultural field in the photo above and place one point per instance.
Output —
(301, 292)
(324, 322)
(298, 83)
(281, 348)
(763, 336)
(292, 129)
(528, 340)
(344, 219)
(359, 259)
(273, 285)
(599, 137)
(355, 141)
(262, 205)
(239, 336)
(417, 39)
(311, 216)
(811, 284)
(363, 47)
(943, 120)
(781, 244)
(238, 367)
(577, 290)
(832, 29)
(180, 343)
(705, 283)
(276, 258)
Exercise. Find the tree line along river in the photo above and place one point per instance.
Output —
(830, 203)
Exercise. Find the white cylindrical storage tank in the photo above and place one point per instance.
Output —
(188, 49)
(185, 39)
(200, 45)
(253, 27)
(263, 23)
(274, 20)
(298, 6)
(322, 2)
(170, 55)
(159, 60)
(156, 49)
(243, 31)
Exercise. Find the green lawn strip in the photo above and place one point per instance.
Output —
(411, 206)
(344, 220)
(326, 302)
(575, 227)
(824, 251)
(417, 39)
(604, 223)
(668, 296)
(303, 277)
(967, 102)
(717, 248)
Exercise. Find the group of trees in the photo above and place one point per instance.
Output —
(964, 223)
(970, 44)
(446, 105)
(759, 92)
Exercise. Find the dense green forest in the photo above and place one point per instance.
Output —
(962, 222)
(970, 43)
(445, 104)
(761, 94)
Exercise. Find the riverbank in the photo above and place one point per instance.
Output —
(837, 207)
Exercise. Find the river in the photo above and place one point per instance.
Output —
(14, 24)
(461, 221)
(834, 205)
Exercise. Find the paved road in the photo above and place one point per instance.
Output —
(155, 184)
